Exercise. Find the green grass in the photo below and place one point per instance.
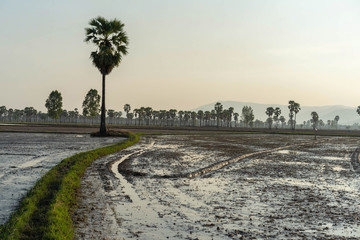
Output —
(45, 212)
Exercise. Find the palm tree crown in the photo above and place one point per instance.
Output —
(111, 40)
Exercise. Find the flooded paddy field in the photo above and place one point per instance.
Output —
(26, 157)
(285, 187)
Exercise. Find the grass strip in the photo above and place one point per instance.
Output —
(46, 210)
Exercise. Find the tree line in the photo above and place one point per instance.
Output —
(147, 116)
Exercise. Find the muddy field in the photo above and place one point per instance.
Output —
(25, 157)
(305, 190)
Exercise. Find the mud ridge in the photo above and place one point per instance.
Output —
(355, 160)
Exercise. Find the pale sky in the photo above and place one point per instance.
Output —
(184, 53)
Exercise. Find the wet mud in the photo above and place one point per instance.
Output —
(26, 157)
(271, 187)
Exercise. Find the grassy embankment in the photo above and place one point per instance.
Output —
(45, 212)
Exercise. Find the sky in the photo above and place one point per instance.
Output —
(184, 53)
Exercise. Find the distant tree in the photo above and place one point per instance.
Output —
(54, 104)
(193, 116)
(321, 123)
(187, 117)
(140, 114)
(112, 41)
(18, 114)
(64, 115)
(91, 103)
(224, 116)
(117, 114)
(230, 115)
(314, 120)
(3, 111)
(111, 114)
(213, 115)
(259, 123)
(218, 110)
(130, 116)
(294, 108)
(180, 114)
(282, 120)
(200, 116)
(127, 109)
(269, 112)
(43, 116)
(236, 118)
(247, 116)
(172, 115)
(277, 112)
(29, 113)
(336, 119)
(74, 115)
(207, 117)
(10, 113)
(148, 114)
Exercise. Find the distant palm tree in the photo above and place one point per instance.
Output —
(277, 112)
(336, 119)
(207, 117)
(200, 116)
(193, 116)
(236, 118)
(294, 108)
(112, 41)
(218, 110)
(230, 115)
(180, 114)
(314, 119)
(269, 112)
(127, 109)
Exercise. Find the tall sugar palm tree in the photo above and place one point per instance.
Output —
(112, 41)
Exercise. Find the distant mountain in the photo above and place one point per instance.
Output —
(348, 115)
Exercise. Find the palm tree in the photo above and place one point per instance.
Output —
(112, 41)
(314, 120)
(336, 119)
(218, 109)
(277, 112)
(193, 116)
(231, 112)
(172, 113)
(127, 109)
(294, 108)
(236, 118)
(207, 117)
(180, 114)
(200, 116)
(269, 112)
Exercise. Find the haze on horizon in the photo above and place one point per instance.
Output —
(184, 54)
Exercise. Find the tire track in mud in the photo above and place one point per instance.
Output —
(199, 172)
(219, 165)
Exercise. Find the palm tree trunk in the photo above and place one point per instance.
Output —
(102, 123)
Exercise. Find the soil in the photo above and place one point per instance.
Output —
(246, 187)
